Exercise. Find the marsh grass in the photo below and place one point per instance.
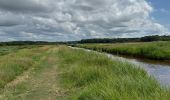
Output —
(81, 75)
(4, 50)
(14, 64)
(91, 76)
(150, 50)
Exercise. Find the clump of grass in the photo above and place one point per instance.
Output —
(4, 50)
(8, 49)
(91, 76)
(14, 64)
(151, 50)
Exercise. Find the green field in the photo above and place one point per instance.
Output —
(4, 50)
(149, 50)
(60, 72)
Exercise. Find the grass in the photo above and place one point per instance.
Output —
(149, 50)
(91, 76)
(60, 72)
(40, 82)
(4, 50)
(14, 64)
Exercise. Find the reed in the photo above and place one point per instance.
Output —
(149, 50)
(92, 76)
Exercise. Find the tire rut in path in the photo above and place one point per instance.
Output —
(40, 83)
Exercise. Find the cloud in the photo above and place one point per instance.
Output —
(164, 11)
(24, 6)
(57, 20)
(9, 19)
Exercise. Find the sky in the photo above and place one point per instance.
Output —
(161, 12)
(68, 20)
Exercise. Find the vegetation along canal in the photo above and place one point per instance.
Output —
(159, 70)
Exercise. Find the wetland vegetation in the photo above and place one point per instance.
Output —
(53, 72)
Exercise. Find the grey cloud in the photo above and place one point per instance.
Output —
(56, 20)
(23, 5)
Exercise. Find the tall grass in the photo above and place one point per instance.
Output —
(14, 64)
(91, 76)
(4, 50)
(151, 50)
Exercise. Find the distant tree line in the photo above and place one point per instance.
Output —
(97, 40)
(155, 38)
(123, 40)
(29, 43)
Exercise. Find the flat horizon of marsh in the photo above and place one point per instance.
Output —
(60, 72)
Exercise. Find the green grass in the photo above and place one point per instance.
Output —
(150, 50)
(59, 72)
(4, 50)
(91, 76)
(40, 82)
(14, 64)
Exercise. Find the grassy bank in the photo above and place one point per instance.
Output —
(150, 50)
(90, 76)
(14, 64)
(59, 72)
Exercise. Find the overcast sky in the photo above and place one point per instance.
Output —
(63, 20)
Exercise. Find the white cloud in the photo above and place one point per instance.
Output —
(54, 20)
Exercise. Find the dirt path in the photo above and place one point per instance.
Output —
(38, 83)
